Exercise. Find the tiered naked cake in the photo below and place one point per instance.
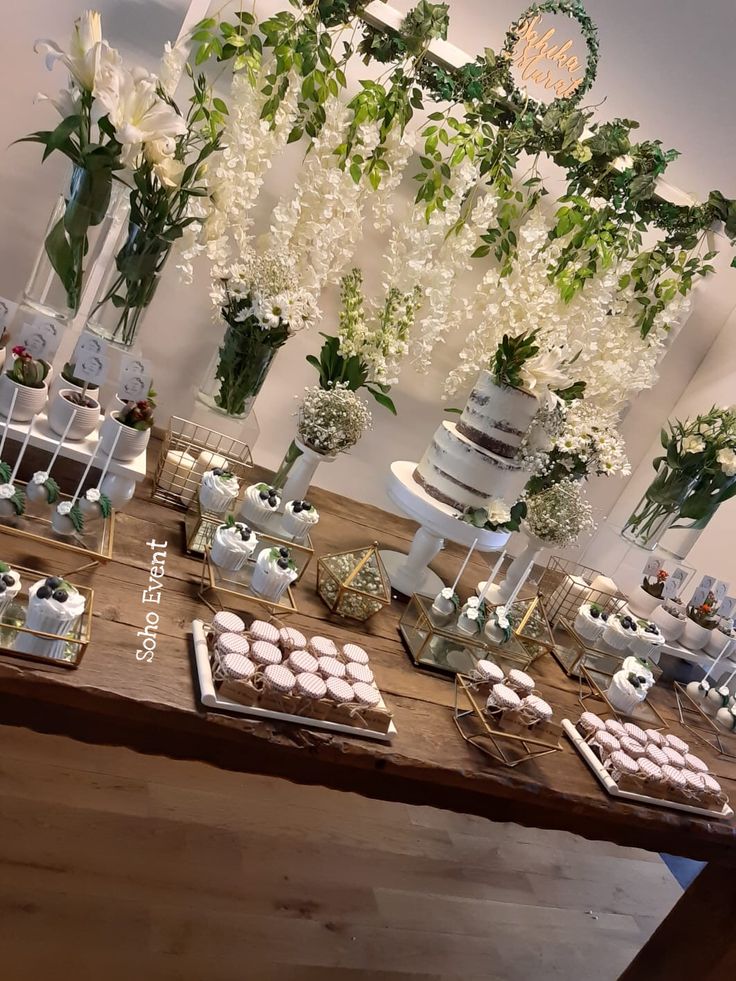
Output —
(475, 461)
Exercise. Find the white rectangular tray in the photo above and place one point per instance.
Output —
(614, 790)
(211, 699)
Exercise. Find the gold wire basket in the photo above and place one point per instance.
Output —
(187, 451)
(507, 740)
(353, 584)
(566, 585)
(57, 650)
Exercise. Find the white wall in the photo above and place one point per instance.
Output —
(180, 336)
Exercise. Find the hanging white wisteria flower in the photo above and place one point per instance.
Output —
(376, 334)
(599, 322)
(321, 222)
(249, 146)
(432, 254)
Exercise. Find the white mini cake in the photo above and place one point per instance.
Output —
(274, 571)
(617, 632)
(647, 640)
(54, 606)
(456, 472)
(299, 517)
(259, 502)
(625, 692)
(233, 545)
(9, 586)
(589, 623)
(217, 490)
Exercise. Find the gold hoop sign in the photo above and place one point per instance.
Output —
(545, 58)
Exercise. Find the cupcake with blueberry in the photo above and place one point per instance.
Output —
(274, 571)
(233, 545)
(54, 607)
(299, 517)
(647, 640)
(618, 631)
(626, 691)
(260, 502)
(590, 622)
(9, 586)
(218, 490)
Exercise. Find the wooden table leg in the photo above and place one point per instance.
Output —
(697, 940)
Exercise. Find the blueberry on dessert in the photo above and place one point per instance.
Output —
(264, 495)
(60, 595)
(283, 563)
(284, 552)
(595, 612)
(54, 582)
(44, 592)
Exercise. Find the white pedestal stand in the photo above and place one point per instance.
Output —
(499, 593)
(410, 573)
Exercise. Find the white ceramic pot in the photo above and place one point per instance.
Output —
(60, 382)
(131, 442)
(717, 643)
(115, 405)
(118, 489)
(643, 603)
(86, 417)
(671, 627)
(28, 401)
(694, 637)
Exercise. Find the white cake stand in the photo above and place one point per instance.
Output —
(410, 573)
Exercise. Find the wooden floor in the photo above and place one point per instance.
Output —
(121, 866)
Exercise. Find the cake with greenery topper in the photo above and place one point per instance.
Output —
(474, 465)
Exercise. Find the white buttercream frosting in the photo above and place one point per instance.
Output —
(69, 610)
(230, 537)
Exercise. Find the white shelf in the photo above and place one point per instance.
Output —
(80, 450)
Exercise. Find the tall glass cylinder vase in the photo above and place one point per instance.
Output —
(658, 509)
(127, 284)
(238, 370)
(84, 217)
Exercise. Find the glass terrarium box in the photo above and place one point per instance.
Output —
(353, 584)
(441, 647)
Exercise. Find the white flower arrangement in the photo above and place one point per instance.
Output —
(264, 286)
(332, 420)
(559, 514)
(575, 440)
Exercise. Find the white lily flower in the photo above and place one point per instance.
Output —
(727, 459)
(137, 113)
(89, 55)
(543, 371)
(693, 444)
(66, 103)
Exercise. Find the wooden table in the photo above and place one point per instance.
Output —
(116, 699)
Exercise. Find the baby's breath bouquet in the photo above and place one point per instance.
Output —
(332, 421)
(560, 514)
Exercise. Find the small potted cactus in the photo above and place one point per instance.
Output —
(26, 377)
(701, 620)
(68, 403)
(133, 422)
